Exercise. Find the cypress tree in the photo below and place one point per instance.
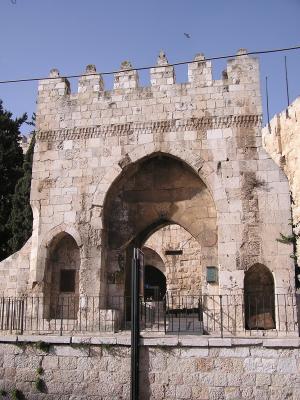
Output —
(11, 160)
(20, 221)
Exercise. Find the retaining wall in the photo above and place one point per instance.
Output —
(171, 368)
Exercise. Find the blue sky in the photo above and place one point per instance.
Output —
(37, 35)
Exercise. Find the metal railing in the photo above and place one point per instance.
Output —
(217, 315)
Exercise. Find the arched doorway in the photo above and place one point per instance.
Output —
(182, 258)
(149, 195)
(61, 280)
(154, 284)
(154, 275)
(259, 296)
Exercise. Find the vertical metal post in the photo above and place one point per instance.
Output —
(287, 82)
(135, 327)
(22, 316)
(267, 99)
(221, 314)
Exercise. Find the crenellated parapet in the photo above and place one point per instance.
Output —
(242, 69)
(163, 74)
(90, 82)
(127, 78)
(54, 87)
(236, 93)
(200, 72)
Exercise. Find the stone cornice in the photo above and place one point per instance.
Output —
(173, 125)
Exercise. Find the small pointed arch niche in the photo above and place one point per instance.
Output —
(259, 298)
(61, 279)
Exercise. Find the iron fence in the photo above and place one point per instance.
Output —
(218, 315)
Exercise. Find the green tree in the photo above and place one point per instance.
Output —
(11, 160)
(20, 221)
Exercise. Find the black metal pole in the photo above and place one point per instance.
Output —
(135, 327)
(267, 100)
(286, 82)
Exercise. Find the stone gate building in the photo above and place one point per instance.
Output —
(177, 169)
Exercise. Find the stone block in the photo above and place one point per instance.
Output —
(194, 352)
(280, 343)
(193, 341)
(219, 342)
(242, 352)
(183, 392)
(50, 362)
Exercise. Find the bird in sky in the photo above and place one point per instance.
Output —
(187, 35)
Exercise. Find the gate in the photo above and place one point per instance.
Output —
(12, 311)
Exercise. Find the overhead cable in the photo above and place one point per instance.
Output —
(251, 53)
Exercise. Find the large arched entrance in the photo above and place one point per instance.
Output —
(154, 193)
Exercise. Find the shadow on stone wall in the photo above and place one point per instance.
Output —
(145, 377)
(298, 310)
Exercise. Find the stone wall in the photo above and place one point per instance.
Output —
(111, 167)
(14, 272)
(92, 146)
(198, 369)
(184, 272)
(281, 138)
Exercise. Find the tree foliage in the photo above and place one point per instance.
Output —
(20, 221)
(11, 161)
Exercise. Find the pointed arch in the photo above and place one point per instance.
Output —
(45, 243)
(191, 158)
(155, 191)
(259, 293)
(61, 277)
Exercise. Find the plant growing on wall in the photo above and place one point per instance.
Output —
(16, 394)
(39, 384)
(40, 370)
(292, 239)
(43, 346)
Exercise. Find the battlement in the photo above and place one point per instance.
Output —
(237, 91)
(241, 69)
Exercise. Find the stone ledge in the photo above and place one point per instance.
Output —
(246, 341)
(93, 340)
(181, 341)
(8, 338)
(44, 338)
(293, 342)
(193, 341)
(173, 125)
(160, 341)
(123, 340)
(219, 342)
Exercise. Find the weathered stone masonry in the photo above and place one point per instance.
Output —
(165, 167)
(113, 167)
(197, 369)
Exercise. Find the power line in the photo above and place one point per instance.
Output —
(251, 53)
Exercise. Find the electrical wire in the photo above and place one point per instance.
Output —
(251, 53)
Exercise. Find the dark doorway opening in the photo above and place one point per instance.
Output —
(259, 298)
(155, 283)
